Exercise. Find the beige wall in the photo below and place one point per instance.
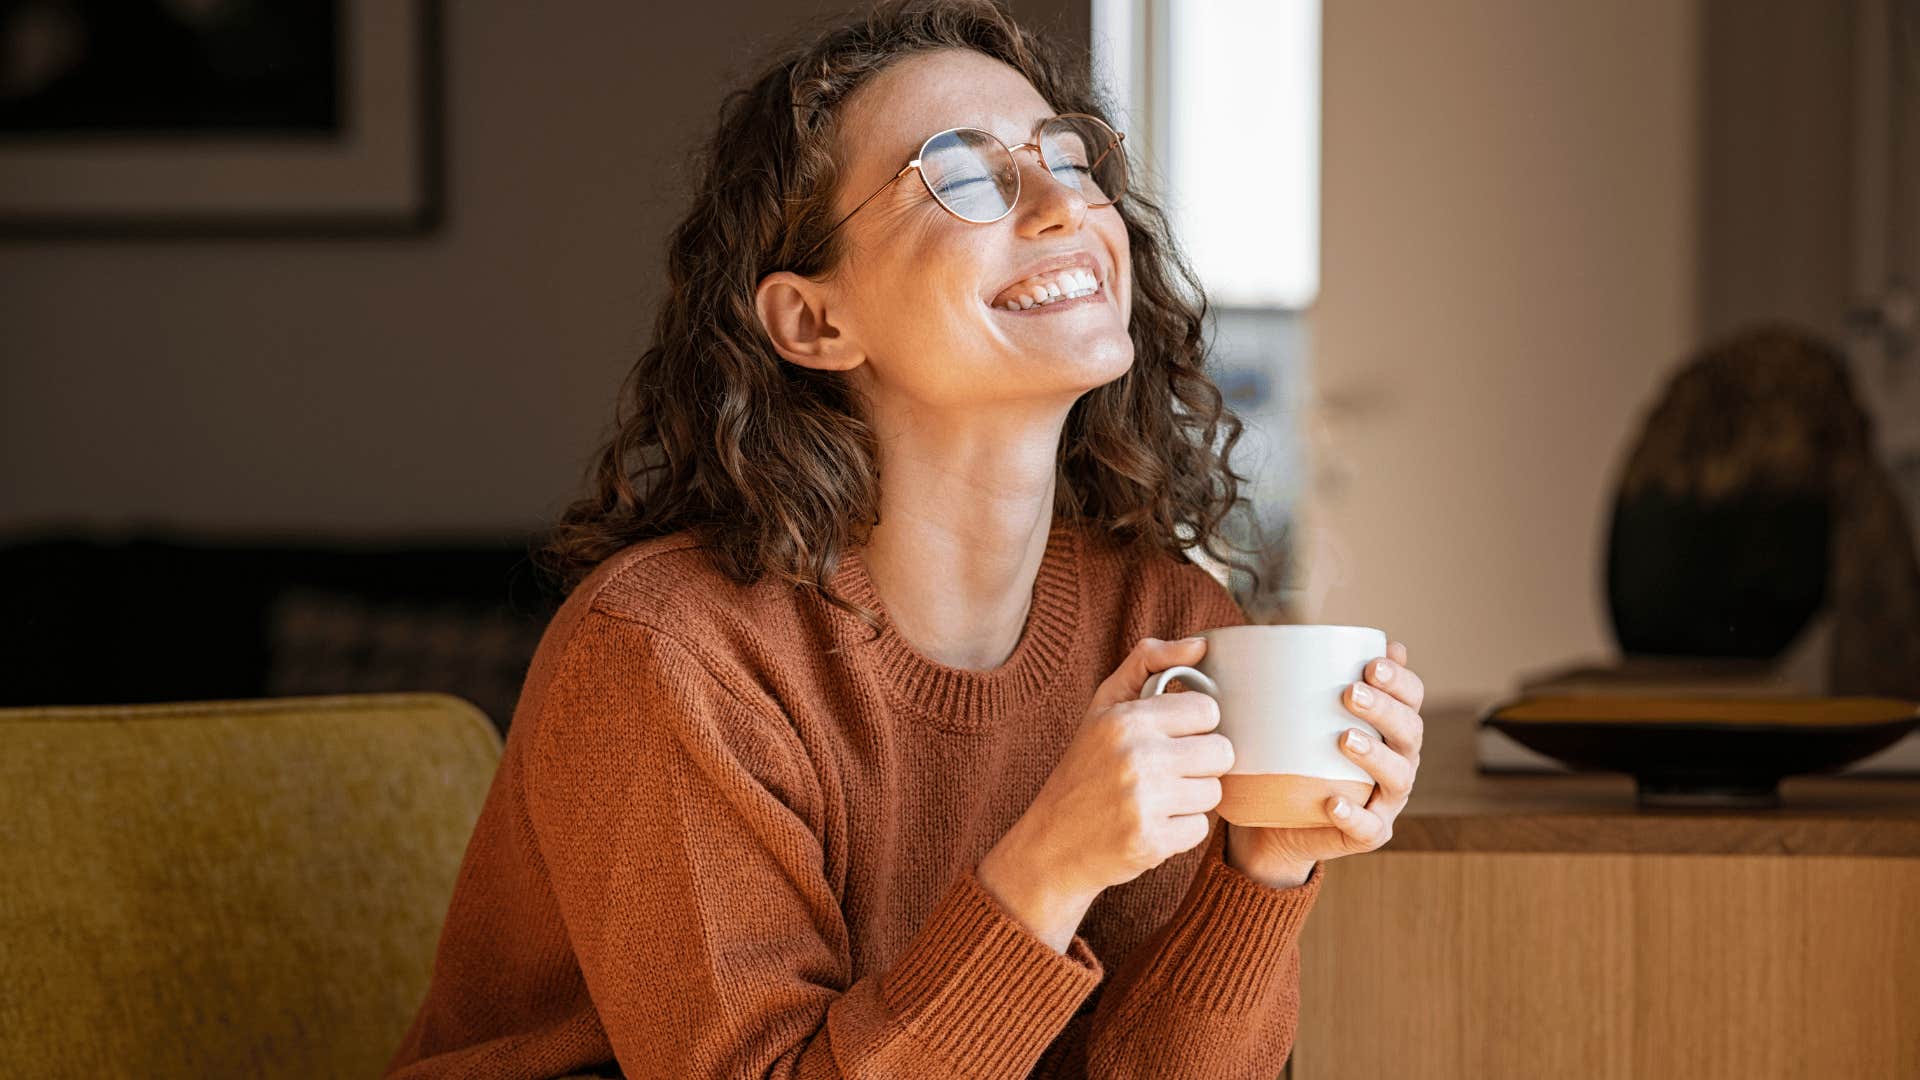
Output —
(1508, 273)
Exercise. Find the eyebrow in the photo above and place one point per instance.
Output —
(1025, 133)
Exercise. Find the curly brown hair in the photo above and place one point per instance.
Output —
(772, 463)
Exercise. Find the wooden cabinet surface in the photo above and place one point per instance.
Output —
(1543, 927)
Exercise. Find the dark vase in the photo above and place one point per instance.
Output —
(1738, 577)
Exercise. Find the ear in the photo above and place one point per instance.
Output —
(793, 310)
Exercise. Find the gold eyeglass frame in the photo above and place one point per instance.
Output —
(914, 166)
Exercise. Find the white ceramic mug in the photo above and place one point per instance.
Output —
(1281, 691)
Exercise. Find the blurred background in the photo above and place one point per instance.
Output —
(311, 314)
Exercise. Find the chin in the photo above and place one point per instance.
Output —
(1096, 367)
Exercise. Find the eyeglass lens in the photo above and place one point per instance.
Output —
(973, 175)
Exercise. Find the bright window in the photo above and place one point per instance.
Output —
(1220, 100)
(1223, 103)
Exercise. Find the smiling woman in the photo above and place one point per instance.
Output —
(837, 739)
(777, 461)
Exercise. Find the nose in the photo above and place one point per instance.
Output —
(1048, 201)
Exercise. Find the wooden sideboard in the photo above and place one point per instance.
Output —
(1541, 926)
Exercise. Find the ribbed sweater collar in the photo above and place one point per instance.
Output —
(959, 698)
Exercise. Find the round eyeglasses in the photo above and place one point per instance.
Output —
(974, 176)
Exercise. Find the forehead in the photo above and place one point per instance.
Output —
(915, 97)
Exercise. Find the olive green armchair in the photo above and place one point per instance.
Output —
(228, 888)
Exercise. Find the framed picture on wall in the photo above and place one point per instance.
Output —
(219, 117)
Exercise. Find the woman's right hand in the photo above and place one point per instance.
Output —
(1132, 789)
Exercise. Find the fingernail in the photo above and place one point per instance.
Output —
(1357, 742)
(1341, 809)
(1191, 640)
(1380, 671)
(1361, 695)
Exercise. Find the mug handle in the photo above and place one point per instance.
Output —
(1158, 684)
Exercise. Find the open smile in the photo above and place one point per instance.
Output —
(1097, 297)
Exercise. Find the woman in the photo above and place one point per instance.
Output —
(831, 763)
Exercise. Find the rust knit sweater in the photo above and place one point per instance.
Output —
(731, 837)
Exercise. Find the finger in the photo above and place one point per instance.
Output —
(1208, 754)
(1176, 715)
(1398, 680)
(1363, 829)
(1391, 771)
(1195, 795)
(1148, 656)
(1400, 726)
(1397, 652)
(1196, 828)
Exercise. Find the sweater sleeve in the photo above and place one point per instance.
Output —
(679, 828)
(1215, 992)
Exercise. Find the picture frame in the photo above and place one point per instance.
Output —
(366, 160)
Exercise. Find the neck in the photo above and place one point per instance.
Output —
(965, 510)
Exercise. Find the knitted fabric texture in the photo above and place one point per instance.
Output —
(731, 836)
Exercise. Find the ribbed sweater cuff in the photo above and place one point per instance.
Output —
(978, 986)
(1227, 944)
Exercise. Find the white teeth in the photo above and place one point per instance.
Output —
(1067, 285)
(1070, 286)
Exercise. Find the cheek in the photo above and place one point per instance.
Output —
(932, 348)
(1115, 231)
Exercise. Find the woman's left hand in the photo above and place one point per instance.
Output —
(1390, 701)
